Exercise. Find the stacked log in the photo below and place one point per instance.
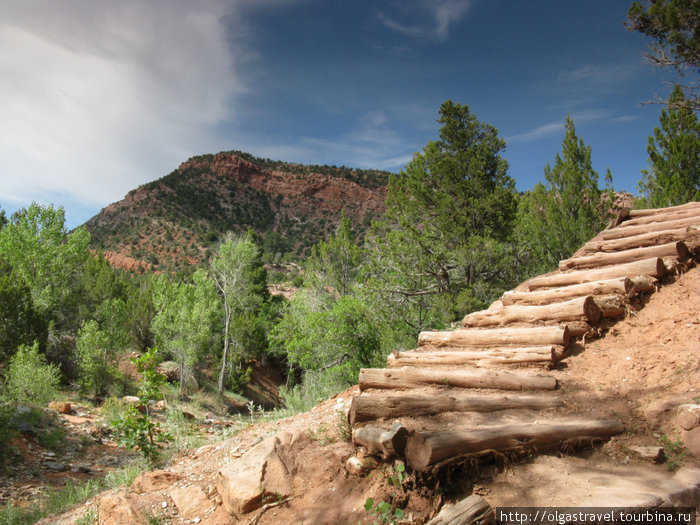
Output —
(473, 510)
(620, 285)
(424, 449)
(673, 249)
(466, 338)
(627, 230)
(410, 377)
(687, 234)
(388, 443)
(370, 407)
(533, 354)
(652, 267)
(634, 214)
(577, 309)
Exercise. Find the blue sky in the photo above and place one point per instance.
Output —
(98, 97)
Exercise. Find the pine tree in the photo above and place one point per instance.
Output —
(556, 217)
(674, 156)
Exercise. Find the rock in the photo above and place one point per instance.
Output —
(55, 466)
(691, 440)
(652, 452)
(119, 509)
(688, 416)
(154, 481)
(170, 369)
(654, 411)
(132, 400)
(191, 502)
(354, 466)
(187, 415)
(62, 407)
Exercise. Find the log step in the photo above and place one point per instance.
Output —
(577, 309)
(621, 231)
(619, 285)
(689, 233)
(653, 267)
(488, 356)
(473, 510)
(370, 407)
(410, 377)
(426, 449)
(466, 338)
(673, 249)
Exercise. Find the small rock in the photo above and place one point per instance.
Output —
(62, 407)
(688, 416)
(691, 440)
(133, 400)
(55, 466)
(653, 452)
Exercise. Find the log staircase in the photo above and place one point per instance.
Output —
(460, 393)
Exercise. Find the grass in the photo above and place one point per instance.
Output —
(674, 450)
(60, 500)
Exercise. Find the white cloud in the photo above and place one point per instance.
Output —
(552, 128)
(441, 14)
(98, 97)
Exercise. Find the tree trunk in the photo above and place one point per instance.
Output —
(409, 377)
(388, 443)
(622, 231)
(619, 285)
(578, 328)
(536, 354)
(678, 249)
(634, 214)
(653, 267)
(610, 305)
(545, 335)
(424, 449)
(473, 510)
(689, 233)
(368, 407)
(662, 215)
(575, 309)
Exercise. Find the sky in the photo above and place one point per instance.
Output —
(98, 97)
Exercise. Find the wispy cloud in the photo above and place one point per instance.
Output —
(409, 18)
(597, 76)
(97, 97)
(552, 128)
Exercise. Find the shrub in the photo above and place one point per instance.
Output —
(30, 379)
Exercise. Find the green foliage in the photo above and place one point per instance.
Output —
(450, 198)
(241, 280)
(674, 156)
(183, 325)
(20, 323)
(112, 409)
(674, 450)
(7, 451)
(39, 248)
(335, 263)
(135, 429)
(675, 27)
(98, 345)
(556, 217)
(384, 512)
(30, 379)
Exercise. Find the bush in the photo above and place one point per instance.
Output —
(30, 379)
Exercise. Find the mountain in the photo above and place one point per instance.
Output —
(174, 221)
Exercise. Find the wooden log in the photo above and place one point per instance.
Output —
(473, 510)
(424, 449)
(687, 234)
(634, 214)
(368, 407)
(388, 443)
(661, 216)
(532, 354)
(571, 310)
(619, 285)
(677, 249)
(546, 335)
(610, 305)
(409, 377)
(628, 231)
(578, 328)
(654, 267)
(641, 283)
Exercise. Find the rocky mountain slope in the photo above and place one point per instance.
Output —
(173, 221)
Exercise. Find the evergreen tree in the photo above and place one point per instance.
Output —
(556, 217)
(455, 199)
(674, 156)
